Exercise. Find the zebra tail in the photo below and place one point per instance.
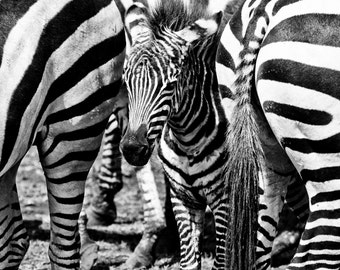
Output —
(242, 169)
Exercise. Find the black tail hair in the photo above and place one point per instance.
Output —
(242, 169)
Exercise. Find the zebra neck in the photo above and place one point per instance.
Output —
(199, 134)
(195, 123)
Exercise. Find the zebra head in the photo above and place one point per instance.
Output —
(155, 68)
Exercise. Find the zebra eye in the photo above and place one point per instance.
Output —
(171, 85)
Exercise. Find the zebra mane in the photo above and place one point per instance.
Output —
(175, 14)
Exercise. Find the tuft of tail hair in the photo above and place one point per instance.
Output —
(242, 169)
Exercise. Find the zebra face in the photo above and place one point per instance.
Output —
(156, 68)
(151, 78)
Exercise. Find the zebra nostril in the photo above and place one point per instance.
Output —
(132, 148)
(143, 150)
(135, 147)
(136, 153)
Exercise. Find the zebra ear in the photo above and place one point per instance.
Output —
(202, 28)
(136, 23)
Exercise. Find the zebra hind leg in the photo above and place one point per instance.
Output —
(319, 246)
(89, 248)
(108, 182)
(14, 240)
(154, 219)
(273, 189)
(297, 200)
(66, 165)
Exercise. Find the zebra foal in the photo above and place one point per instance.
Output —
(61, 67)
(174, 99)
(109, 182)
(285, 85)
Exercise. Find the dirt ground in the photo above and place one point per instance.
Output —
(117, 241)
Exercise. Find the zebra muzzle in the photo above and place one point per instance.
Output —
(135, 147)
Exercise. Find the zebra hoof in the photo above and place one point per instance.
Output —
(97, 219)
(138, 262)
(141, 257)
(88, 254)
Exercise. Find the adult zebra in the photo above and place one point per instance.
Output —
(173, 94)
(61, 66)
(286, 94)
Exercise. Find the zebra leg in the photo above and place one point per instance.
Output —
(13, 236)
(277, 172)
(108, 182)
(154, 220)
(271, 203)
(190, 222)
(220, 211)
(89, 248)
(66, 164)
(319, 246)
(297, 198)
(273, 187)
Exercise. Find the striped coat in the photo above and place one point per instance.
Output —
(61, 65)
(285, 92)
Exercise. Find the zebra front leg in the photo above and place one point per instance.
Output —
(154, 220)
(220, 211)
(13, 236)
(190, 222)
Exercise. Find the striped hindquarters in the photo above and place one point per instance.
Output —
(297, 84)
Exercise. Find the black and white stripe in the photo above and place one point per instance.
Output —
(60, 71)
(110, 181)
(174, 98)
(289, 49)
